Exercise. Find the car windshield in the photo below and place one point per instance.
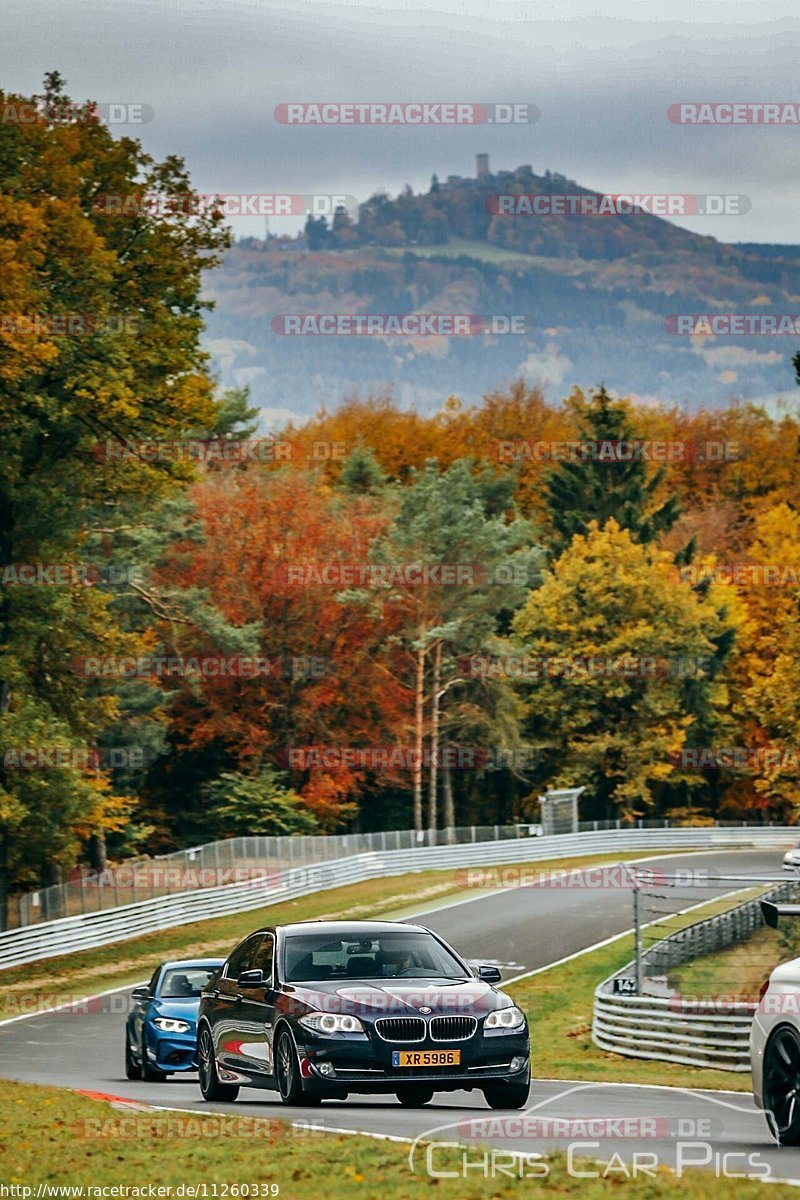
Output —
(317, 956)
(184, 982)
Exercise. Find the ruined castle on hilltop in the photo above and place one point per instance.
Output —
(483, 175)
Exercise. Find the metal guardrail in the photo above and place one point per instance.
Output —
(675, 1029)
(648, 1027)
(88, 930)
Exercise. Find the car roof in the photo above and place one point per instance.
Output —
(192, 962)
(350, 928)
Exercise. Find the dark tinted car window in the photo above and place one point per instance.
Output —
(184, 982)
(264, 956)
(385, 956)
(242, 957)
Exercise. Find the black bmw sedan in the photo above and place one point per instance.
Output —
(325, 1008)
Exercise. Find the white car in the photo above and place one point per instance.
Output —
(791, 859)
(775, 1041)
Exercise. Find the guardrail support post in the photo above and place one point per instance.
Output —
(637, 937)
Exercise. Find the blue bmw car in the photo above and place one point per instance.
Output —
(161, 1029)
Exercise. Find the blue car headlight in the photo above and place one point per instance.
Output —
(505, 1018)
(171, 1025)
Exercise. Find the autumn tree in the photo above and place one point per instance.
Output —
(100, 317)
(262, 542)
(463, 521)
(767, 697)
(254, 805)
(607, 633)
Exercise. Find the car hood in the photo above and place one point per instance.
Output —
(400, 997)
(182, 1009)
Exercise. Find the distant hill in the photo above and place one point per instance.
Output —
(594, 293)
(769, 250)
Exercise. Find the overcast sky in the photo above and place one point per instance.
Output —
(603, 80)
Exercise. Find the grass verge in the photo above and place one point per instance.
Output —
(60, 1138)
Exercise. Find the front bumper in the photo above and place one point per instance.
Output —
(172, 1051)
(364, 1064)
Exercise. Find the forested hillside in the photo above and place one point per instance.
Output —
(594, 293)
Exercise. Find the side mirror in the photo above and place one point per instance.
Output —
(489, 974)
(141, 991)
(251, 978)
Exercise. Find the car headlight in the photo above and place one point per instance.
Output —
(505, 1018)
(171, 1025)
(332, 1023)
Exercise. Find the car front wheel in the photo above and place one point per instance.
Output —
(782, 1085)
(287, 1070)
(151, 1074)
(133, 1069)
(210, 1085)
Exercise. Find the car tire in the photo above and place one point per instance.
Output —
(133, 1069)
(210, 1086)
(782, 1085)
(150, 1074)
(287, 1073)
(507, 1095)
(414, 1095)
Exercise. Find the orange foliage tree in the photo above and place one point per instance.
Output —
(330, 681)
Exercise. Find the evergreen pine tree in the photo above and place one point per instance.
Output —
(597, 488)
(361, 472)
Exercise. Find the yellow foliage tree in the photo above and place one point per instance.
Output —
(616, 636)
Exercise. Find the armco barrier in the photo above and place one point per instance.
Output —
(649, 1027)
(677, 1029)
(88, 930)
